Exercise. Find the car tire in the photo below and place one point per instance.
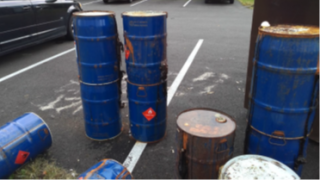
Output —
(130, 1)
(69, 35)
(231, 1)
(106, 1)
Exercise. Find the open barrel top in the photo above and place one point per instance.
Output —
(206, 123)
(93, 13)
(290, 30)
(144, 13)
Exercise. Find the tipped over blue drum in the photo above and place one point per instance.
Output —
(107, 169)
(22, 140)
(283, 93)
(98, 61)
(145, 36)
(147, 111)
(95, 34)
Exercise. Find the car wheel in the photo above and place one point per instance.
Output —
(70, 28)
(106, 1)
(231, 1)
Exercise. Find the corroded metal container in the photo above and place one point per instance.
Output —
(107, 169)
(147, 111)
(98, 58)
(145, 34)
(255, 167)
(284, 92)
(22, 140)
(204, 143)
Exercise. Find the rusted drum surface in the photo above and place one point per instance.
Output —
(145, 34)
(96, 41)
(283, 93)
(98, 58)
(255, 167)
(107, 169)
(147, 111)
(204, 143)
(22, 140)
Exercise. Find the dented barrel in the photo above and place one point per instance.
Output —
(147, 111)
(283, 93)
(98, 58)
(145, 37)
(107, 169)
(204, 143)
(22, 140)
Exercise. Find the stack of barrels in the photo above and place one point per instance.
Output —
(145, 34)
(98, 58)
(284, 93)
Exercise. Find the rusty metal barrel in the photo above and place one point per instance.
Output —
(21, 140)
(204, 143)
(284, 93)
(255, 167)
(107, 169)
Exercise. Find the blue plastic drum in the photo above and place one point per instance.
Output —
(147, 111)
(145, 34)
(22, 140)
(96, 40)
(107, 169)
(284, 93)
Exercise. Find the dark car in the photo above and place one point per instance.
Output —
(28, 22)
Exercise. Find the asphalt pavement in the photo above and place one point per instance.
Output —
(215, 79)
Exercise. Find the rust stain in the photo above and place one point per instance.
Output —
(124, 176)
(185, 141)
(130, 47)
(317, 72)
(46, 131)
(117, 177)
(290, 31)
(96, 169)
(95, 66)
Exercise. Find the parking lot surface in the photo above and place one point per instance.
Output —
(215, 79)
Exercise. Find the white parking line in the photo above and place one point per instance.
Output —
(91, 2)
(35, 65)
(138, 3)
(139, 147)
(186, 3)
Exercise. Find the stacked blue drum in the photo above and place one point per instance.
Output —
(22, 140)
(145, 35)
(96, 40)
(107, 169)
(284, 93)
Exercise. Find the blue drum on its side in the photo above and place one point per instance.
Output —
(22, 140)
(101, 110)
(284, 93)
(107, 169)
(147, 111)
(96, 40)
(145, 34)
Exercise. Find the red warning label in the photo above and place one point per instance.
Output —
(21, 157)
(127, 52)
(149, 114)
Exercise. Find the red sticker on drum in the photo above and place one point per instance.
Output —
(127, 54)
(21, 157)
(149, 114)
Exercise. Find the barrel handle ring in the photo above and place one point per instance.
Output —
(279, 134)
(223, 141)
(144, 92)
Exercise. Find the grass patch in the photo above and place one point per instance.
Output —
(248, 3)
(42, 168)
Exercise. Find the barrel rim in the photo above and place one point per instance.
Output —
(264, 31)
(85, 13)
(108, 139)
(43, 123)
(155, 13)
(209, 109)
(240, 157)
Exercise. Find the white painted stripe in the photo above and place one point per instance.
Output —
(183, 71)
(186, 3)
(91, 2)
(138, 3)
(139, 147)
(35, 65)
